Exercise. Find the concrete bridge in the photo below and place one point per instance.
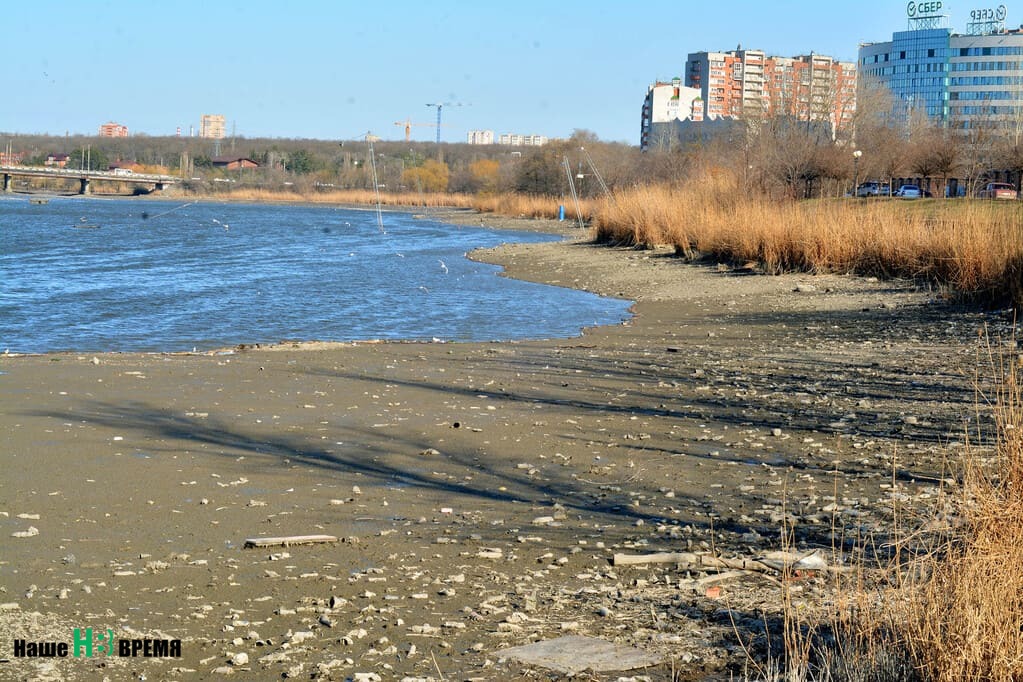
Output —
(84, 177)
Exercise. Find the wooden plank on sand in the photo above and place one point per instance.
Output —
(288, 540)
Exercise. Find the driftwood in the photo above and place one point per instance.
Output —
(288, 540)
(774, 561)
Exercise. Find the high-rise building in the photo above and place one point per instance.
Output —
(212, 126)
(112, 129)
(665, 104)
(967, 81)
(749, 84)
(480, 137)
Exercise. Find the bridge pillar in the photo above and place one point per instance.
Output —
(8, 184)
(85, 189)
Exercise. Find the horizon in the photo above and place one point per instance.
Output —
(326, 71)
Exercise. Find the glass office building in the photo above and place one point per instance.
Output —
(961, 80)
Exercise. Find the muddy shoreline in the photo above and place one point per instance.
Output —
(478, 491)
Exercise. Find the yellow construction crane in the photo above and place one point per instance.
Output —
(408, 127)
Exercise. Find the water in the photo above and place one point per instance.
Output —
(89, 274)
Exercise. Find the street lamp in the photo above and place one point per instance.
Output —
(856, 170)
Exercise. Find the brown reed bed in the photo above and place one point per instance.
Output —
(352, 197)
(949, 605)
(972, 248)
(532, 206)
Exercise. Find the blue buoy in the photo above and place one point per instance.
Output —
(561, 213)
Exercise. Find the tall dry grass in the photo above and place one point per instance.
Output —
(353, 197)
(965, 622)
(531, 206)
(975, 248)
(948, 605)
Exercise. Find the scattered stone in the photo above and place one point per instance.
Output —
(575, 654)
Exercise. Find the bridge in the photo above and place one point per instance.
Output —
(84, 177)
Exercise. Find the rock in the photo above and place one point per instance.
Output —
(301, 636)
(240, 658)
(430, 452)
(31, 532)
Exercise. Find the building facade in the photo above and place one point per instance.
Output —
(112, 129)
(522, 140)
(212, 126)
(967, 81)
(665, 104)
(480, 137)
(749, 84)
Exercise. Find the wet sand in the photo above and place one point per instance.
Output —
(479, 490)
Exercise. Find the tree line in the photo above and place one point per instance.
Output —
(774, 155)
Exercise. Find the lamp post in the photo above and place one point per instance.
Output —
(856, 170)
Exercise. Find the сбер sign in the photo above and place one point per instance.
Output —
(989, 14)
(917, 10)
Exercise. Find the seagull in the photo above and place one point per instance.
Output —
(442, 266)
(399, 255)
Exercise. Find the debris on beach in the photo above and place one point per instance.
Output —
(575, 654)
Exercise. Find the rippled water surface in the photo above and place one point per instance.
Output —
(135, 275)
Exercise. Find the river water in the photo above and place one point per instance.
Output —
(93, 274)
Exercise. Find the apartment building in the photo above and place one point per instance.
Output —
(666, 103)
(522, 140)
(480, 137)
(749, 84)
(212, 126)
(112, 129)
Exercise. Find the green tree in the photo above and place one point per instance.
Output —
(90, 158)
(301, 162)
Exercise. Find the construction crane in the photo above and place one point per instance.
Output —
(440, 106)
(408, 127)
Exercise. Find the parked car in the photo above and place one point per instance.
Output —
(909, 192)
(997, 190)
(872, 189)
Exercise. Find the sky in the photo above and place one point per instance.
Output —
(338, 69)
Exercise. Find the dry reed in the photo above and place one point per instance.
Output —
(974, 248)
(964, 622)
(949, 604)
(531, 206)
(351, 197)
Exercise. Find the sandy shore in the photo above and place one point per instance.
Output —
(478, 491)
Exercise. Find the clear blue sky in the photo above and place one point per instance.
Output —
(337, 69)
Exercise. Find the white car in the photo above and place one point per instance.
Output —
(909, 192)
